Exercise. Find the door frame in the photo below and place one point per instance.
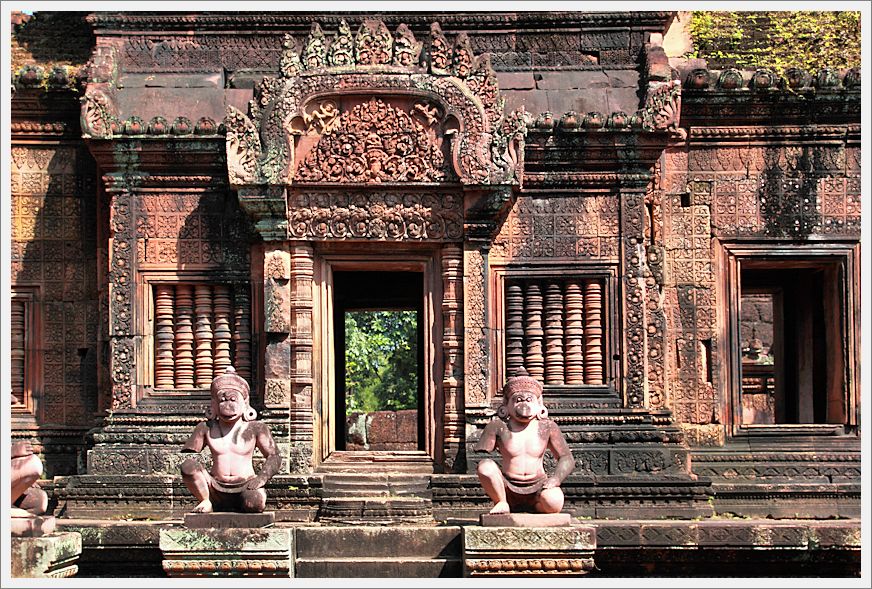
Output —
(339, 257)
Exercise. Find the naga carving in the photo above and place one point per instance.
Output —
(663, 109)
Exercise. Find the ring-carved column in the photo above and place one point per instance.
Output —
(452, 349)
(301, 378)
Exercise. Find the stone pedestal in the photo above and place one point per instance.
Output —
(528, 544)
(31, 526)
(51, 555)
(227, 545)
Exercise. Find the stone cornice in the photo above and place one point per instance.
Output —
(135, 23)
(780, 133)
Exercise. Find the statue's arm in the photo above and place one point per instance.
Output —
(198, 439)
(488, 440)
(560, 449)
(267, 446)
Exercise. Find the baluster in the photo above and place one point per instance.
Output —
(514, 328)
(203, 335)
(184, 340)
(164, 363)
(242, 332)
(553, 333)
(574, 333)
(222, 329)
(16, 340)
(533, 333)
(593, 332)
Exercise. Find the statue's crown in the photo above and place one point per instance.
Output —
(521, 381)
(230, 381)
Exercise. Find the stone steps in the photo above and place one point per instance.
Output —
(411, 461)
(376, 485)
(377, 499)
(369, 551)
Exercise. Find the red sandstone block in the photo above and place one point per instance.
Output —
(407, 426)
(382, 429)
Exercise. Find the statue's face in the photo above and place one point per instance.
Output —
(231, 405)
(524, 405)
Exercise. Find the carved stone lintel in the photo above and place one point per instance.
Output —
(383, 216)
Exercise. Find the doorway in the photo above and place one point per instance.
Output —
(378, 346)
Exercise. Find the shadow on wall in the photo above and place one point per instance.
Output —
(54, 249)
(788, 194)
(52, 37)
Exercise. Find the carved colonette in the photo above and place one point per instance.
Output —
(362, 139)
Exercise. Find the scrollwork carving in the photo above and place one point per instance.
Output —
(342, 48)
(374, 44)
(663, 109)
(315, 51)
(427, 216)
(243, 147)
(98, 117)
(407, 51)
(290, 63)
(440, 50)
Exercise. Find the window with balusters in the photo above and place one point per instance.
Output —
(24, 355)
(556, 327)
(199, 330)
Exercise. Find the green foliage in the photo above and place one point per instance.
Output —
(777, 40)
(381, 360)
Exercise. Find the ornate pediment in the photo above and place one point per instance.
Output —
(373, 107)
(373, 142)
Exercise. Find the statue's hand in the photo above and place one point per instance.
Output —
(551, 482)
(255, 483)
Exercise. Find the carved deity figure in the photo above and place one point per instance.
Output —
(231, 433)
(522, 433)
(27, 498)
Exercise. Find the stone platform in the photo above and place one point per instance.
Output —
(50, 555)
(522, 544)
(227, 545)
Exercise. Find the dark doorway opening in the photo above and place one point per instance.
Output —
(379, 349)
(791, 333)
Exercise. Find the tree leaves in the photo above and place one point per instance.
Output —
(778, 40)
(381, 360)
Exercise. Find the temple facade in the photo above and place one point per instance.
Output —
(671, 250)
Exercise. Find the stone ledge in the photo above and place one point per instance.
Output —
(54, 555)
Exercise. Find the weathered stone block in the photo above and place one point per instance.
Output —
(383, 428)
(514, 551)
(32, 525)
(54, 555)
(407, 426)
(525, 520)
(225, 520)
(231, 552)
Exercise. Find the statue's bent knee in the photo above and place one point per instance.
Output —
(254, 500)
(488, 468)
